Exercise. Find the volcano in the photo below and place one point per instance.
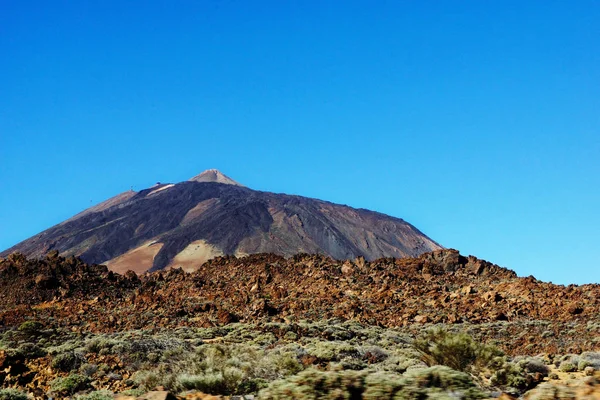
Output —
(186, 224)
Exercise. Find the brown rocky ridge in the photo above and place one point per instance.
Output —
(437, 287)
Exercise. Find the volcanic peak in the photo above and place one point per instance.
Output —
(214, 175)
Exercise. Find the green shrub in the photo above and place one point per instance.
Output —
(382, 385)
(12, 394)
(67, 362)
(589, 359)
(31, 351)
(97, 344)
(31, 328)
(148, 380)
(88, 369)
(264, 339)
(534, 365)
(548, 391)
(278, 363)
(97, 395)
(568, 358)
(399, 363)
(439, 382)
(221, 369)
(426, 383)
(582, 364)
(207, 383)
(66, 346)
(326, 351)
(457, 351)
(567, 366)
(522, 375)
(70, 384)
(324, 385)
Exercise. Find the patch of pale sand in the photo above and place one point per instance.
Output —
(198, 210)
(160, 189)
(565, 378)
(138, 260)
(194, 255)
(569, 385)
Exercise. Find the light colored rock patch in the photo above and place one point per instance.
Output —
(160, 189)
(240, 254)
(198, 210)
(139, 260)
(194, 255)
(213, 175)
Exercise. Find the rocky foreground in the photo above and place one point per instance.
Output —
(438, 287)
(236, 326)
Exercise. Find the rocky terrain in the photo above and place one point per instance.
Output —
(63, 319)
(185, 224)
(437, 287)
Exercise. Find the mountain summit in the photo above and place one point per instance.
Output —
(188, 223)
(214, 175)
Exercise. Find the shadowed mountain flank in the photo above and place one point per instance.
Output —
(185, 224)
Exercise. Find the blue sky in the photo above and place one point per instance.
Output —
(476, 121)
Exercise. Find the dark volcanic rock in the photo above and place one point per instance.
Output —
(211, 215)
(31, 281)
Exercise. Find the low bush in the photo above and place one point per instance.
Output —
(221, 369)
(12, 394)
(427, 383)
(210, 382)
(68, 361)
(534, 365)
(455, 350)
(99, 343)
(326, 351)
(520, 375)
(325, 385)
(439, 382)
(548, 391)
(31, 328)
(31, 351)
(138, 349)
(66, 346)
(399, 363)
(97, 395)
(88, 369)
(589, 359)
(70, 384)
(567, 366)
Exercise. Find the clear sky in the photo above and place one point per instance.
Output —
(476, 121)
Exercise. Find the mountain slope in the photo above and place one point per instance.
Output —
(185, 224)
